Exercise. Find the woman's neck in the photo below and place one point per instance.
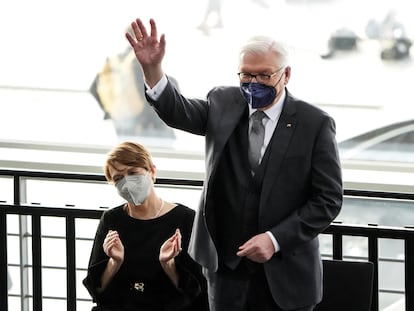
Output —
(151, 208)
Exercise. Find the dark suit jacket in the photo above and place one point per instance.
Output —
(302, 186)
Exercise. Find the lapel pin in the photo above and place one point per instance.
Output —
(289, 125)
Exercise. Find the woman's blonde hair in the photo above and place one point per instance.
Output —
(128, 153)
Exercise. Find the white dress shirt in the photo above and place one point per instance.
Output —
(273, 115)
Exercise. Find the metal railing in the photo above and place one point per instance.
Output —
(337, 231)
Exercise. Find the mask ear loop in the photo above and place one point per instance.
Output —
(153, 178)
(280, 78)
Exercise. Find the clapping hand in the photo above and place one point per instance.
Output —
(113, 246)
(171, 247)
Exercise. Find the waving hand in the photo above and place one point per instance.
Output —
(149, 50)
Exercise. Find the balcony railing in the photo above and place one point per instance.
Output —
(30, 236)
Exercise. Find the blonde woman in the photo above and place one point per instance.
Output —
(139, 258)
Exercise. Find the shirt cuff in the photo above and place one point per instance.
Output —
(274, 241)
(158, 88)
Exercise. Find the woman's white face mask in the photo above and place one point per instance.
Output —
(134, 188)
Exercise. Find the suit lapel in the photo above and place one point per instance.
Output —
(278, 146)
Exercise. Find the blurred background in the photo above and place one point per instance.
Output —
(351, 57)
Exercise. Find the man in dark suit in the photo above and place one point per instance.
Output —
(257, 226)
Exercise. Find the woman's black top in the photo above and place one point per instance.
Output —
(141, 283)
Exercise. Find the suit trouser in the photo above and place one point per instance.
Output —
(242, 289)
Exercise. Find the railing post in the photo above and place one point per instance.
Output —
(71, 263)
(409, 273)
(337, 246)
(3, 262)
(37, 263)
(373, 257)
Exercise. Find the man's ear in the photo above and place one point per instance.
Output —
(287, 74)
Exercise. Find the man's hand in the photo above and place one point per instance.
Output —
(148, 50)
(258, 249)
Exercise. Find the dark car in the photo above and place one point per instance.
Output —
(391, 143)
(394, 143)
(381, 159)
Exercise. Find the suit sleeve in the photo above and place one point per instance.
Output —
(179, 112)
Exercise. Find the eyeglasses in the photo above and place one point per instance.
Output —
(246, 77)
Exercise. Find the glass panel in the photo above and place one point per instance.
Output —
(81, 291)
(83, 195)
(392, 249)
(12, 224)
(83, 252)
(53, 252)
(14, 303)
(14, 281)
(355, 248)
(54, 283)
(393, 302)
(6, 190)
(325, 241)
(54, 304)
(391, 267)
(359, 210)
(53, 226)
(86, 228)
(13, 249)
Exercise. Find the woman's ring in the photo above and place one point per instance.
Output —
(140, 38)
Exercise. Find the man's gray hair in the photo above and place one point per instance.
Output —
(262, 44)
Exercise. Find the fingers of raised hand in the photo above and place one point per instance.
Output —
(140, 32)
(154, 32)
(137, 30)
